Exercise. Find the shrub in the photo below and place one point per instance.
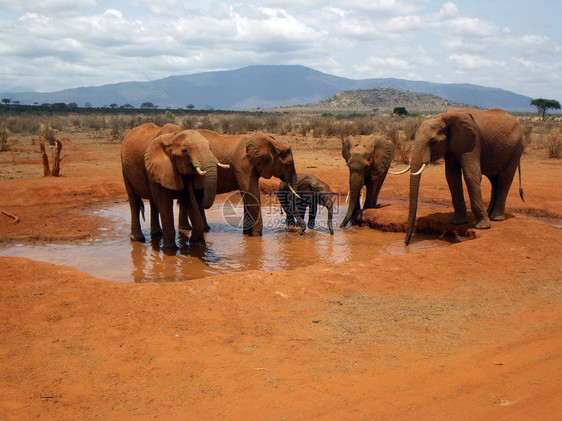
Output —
(4, 140)
(50, 135)
(554, 142)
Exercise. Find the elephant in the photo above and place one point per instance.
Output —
(474, 143)
(162, 164)
(368, 160)
(250, 157)
(312, 191)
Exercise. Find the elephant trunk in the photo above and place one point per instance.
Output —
(210, 182)
(292, 178)
(415, 178)
(355, 185)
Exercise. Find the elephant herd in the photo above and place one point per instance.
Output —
(161, 164)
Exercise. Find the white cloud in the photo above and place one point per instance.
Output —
(58, 44)
(470, 62)
(53, 7)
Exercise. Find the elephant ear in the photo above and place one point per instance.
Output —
(261, 153)
(462, 132)
(159, 165)
(345, 146)
(383, 154)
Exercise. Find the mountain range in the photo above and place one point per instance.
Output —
(262, 86)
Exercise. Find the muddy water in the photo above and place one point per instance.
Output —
(111, 255)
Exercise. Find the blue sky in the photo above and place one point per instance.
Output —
(53, 45)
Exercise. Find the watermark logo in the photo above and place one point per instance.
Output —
(278, 210)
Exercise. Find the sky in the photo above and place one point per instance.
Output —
(50, 45)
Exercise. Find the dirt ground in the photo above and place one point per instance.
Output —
(469, 331)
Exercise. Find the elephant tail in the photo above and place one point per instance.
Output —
(520, 188)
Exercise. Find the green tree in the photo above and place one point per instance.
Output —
(544, 104)
(147, 105)
(6, 101)
(400, 111)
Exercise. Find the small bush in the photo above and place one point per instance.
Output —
(50, 135)
(554, 142)
(94, 122)
(188, 123)
(206, 124)
(4, 141)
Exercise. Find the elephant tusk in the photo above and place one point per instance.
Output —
(200, 171)
(293, 191)
(347, 198)
(401, 172)
(420, 171)
(362, 196)
(220, 164)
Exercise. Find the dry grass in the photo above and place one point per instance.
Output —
(324, 130)
(554, 141)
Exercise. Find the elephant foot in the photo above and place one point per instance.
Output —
(252, 233)
(170, 248)
(137, 237)
(483, 224)
(458, 219)
(196, 241)
(497, 216)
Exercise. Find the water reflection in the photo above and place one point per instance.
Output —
(112, 256)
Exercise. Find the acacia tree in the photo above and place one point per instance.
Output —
(544, 104)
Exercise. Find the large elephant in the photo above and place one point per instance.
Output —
(368, 160)
(312, 191)
(473, 143)
(250, 157)
(161, 164)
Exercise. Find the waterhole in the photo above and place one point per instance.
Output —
(111, 255)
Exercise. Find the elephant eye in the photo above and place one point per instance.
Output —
(184, 150)
(433, 141)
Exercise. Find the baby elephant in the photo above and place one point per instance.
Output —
(311, 192)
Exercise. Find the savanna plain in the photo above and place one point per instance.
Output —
(471, 330)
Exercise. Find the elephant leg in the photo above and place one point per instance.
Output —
(183, 219)
(373, 190)
(199, 198)
(312, 211)
(135, 205)
(300, 210)
(494, 195)
(253, 223)
(165, 204)
(505, 178)
(198, 225)
(473, 180)
(326, 201)
(454, 180)
(285, 201)
(155, 229)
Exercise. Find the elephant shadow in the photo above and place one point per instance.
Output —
(438, 223)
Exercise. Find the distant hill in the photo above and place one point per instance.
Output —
(262, 87)
(384, 99)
